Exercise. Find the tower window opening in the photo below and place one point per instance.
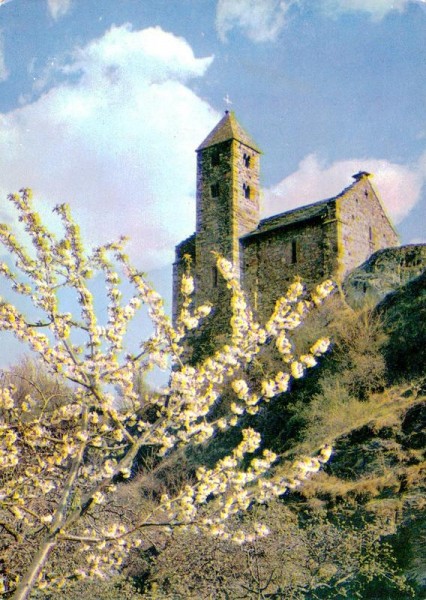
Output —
(215, 276)
(246, 159)
(293, 252)
(214, 189)
(246, 190)
(215, 158)
(371, 240)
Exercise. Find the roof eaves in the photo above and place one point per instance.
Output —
(259, 232)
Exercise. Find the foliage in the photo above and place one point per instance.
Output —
(306, 556)
(62, 453)
(333, 398)
(366, 506)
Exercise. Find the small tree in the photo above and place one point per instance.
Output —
(309, 554)
(60, 461)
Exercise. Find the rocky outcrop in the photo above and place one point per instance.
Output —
(403, 314)
(384, 272)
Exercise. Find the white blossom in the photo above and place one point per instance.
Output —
(104, 417)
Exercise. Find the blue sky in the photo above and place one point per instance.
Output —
(102, 104)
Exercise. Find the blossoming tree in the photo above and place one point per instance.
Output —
(60, 462)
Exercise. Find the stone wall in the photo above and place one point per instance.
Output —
(272, 260)
(364, 227)
(245, 206)
(214, 217)
(227, 207)
(185, 248)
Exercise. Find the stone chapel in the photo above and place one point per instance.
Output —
(325, 239)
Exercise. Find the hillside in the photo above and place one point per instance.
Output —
(356, 529)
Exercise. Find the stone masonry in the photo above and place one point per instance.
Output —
(325, 239)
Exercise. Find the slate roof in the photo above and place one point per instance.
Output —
(187, 246)
(228, 129)
(291, 218)
(302, 214)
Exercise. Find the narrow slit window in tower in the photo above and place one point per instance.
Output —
(246, 159)
(215, 276)
(371, 238)
(293, 252)
(215, 158)
(246, 190)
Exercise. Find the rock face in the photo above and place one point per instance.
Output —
(384, 272)
(403, 314)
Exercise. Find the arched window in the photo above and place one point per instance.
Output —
(246, 159)
(246, 190)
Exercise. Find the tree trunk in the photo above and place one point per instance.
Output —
(26, 585)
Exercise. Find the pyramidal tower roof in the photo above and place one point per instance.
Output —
(228, 129)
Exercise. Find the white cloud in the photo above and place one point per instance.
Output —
(399, 186)
(116, 140)
(377, 9)
(58, 8)
(261, 20)
(4, 73)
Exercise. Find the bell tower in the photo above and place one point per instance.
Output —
(227, 201)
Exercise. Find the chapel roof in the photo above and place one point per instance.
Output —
(228, 128)
(291, 218)
(301, 214)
